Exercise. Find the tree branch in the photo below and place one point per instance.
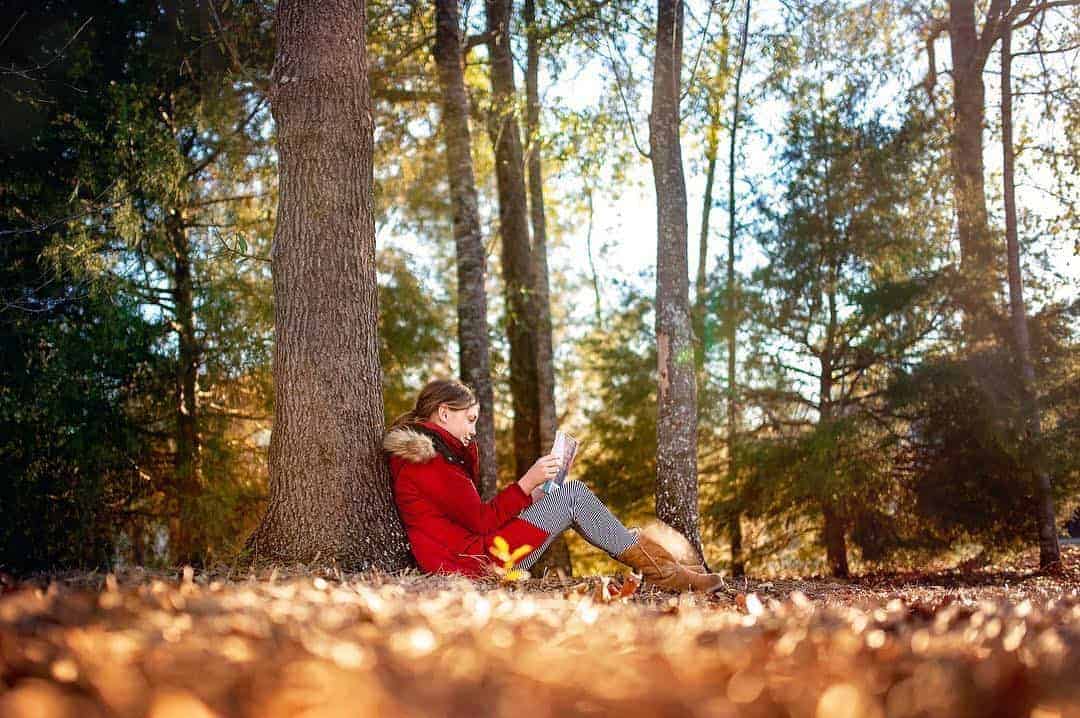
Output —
(473, 40)
(393, 94)
(571, 21)
(213, 409)
(626, 105)
(997, 18)
(1038, 10)
(996, 15)
(25, 72)
(1044, 53)
(212, 157)
(934, 30)
(232, 198)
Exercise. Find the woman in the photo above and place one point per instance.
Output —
(434, 464)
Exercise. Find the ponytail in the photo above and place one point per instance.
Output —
(453, 393)
(407, 419)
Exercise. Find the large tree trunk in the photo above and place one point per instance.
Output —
(1049, 550)
(473, 349)
(735, 527)
(184, 527)
(557, 556)
(330, 500)
(516, 249)
(676, 425)
(978, 275)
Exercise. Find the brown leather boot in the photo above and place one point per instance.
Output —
(663, 570)
(674, 543)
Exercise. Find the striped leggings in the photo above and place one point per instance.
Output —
(575, 506)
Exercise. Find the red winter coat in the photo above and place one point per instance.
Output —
(450, 528)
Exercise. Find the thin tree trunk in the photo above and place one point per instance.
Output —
(978, 280)
(1049, 550)
(544, 354)
(137, 528)
(676, 426)
(735, 528)
(700, 287)
(835, 543)
(557, 555)
(330, 500)
(834, 523)
(714, 108)
(516, 248)
(474, 354)
(184, 529)
(598, 311)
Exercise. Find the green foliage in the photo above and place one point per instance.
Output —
(850, 289)
(415, 334)
(75, 429)
(969, 464)
(786, 481)
(965, 459)
(130, 124)
(618, 363)
(854, 395)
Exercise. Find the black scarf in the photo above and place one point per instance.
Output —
(442, 448)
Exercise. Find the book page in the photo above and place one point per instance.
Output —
(565, 446)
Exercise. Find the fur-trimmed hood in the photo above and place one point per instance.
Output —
(410, 445)
(425, 442)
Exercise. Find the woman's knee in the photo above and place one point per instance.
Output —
(577, 490)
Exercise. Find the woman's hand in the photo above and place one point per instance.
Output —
(546, 467)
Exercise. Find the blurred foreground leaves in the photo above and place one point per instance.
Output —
(288, 643)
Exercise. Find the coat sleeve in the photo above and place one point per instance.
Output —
(457, 497)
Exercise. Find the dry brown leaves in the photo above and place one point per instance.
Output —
(196, 645)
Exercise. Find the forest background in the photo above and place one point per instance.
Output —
(876, 409)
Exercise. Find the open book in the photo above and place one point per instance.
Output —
(565, 446)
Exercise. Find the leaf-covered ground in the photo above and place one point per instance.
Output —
(992, 643)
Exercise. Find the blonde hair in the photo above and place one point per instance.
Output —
(451, 392)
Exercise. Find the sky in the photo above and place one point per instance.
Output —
(624, 219)
(624, 232)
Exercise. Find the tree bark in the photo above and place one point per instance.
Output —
(330, 500)
(835, 543)
(183, 531)
(714, 109)
(735, 527)
(1049, 549)
(676, 426)
(834, 523)
(700, 284)
(514, 230)
(978, 275)
(557, 555)
(473, 347)
(538, 221)
(598, 312)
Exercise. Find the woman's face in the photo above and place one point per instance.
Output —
(459, 422)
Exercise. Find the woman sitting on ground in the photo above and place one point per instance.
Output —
(435, 463)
